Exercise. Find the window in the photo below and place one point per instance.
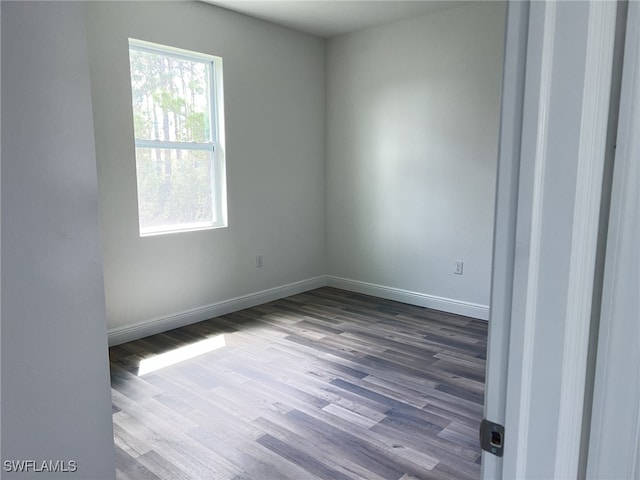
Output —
(179, 138)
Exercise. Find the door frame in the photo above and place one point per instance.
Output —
(504, 232)
(545, 320)
(614, 447)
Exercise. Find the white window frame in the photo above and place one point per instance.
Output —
(216, 145)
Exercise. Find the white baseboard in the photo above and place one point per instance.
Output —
(151, 327)
(448, 305)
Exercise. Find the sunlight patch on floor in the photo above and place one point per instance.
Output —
(180, 354)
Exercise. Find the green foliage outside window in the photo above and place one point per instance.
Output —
(171, 103)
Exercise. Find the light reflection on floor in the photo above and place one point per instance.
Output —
(180, 354)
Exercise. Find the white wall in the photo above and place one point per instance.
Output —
(274, 109)
(56, 403)
(412, 129)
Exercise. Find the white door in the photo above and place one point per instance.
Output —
(558, 64)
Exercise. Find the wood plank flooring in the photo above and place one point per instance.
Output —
(327, 384)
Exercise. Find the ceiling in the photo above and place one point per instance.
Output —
(329, 18)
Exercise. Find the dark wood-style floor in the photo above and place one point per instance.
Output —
(327, 384)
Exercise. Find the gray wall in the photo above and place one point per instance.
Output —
(412, 129)
(274, 108)
(56, 402)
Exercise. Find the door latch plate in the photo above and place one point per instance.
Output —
(492, 437)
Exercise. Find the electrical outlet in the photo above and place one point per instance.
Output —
(457, 269)
(259, 260)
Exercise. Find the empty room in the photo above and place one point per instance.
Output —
(360, 163)
(260, 240)
(343, 282)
